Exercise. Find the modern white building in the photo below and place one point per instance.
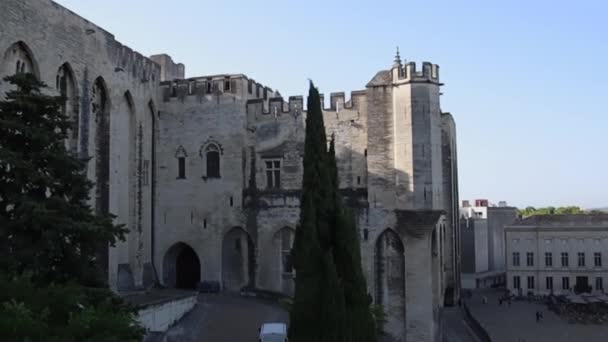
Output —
(557, 254)
(482, 241)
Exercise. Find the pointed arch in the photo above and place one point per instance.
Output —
(390, 277)
(66, 86)
(19, 58)
(238, 260)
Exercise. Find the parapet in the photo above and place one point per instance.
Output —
(237, 85)
(408, 73)
(257, 111)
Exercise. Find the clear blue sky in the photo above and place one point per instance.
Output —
(525, 80)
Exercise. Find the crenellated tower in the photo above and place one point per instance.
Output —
(405, 137)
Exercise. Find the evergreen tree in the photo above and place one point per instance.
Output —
(347, 255)
(46, 226)
(318, 309)
(48, 233)
(331, 301)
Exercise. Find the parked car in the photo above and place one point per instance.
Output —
(273, 332)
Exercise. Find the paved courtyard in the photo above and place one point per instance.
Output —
(218, 318)
(517, 322)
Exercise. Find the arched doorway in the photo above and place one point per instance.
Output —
(181, 267)
(390, 280)
(238, 265)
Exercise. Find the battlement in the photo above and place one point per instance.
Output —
(237, 85)
(429, 73)
(257, 110)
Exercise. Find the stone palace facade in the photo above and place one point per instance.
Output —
(206, 171)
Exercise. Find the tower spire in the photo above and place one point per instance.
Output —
(397, 61)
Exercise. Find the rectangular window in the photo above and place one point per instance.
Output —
(273, 174)
(515, 258)
(181, 168)
(145, 173)
(250, 86)
(516, 282)
(226, 85)
(581, 259)
(548, 259)
(599, 283)
(597, 257)
(530, 282)
(565, 283)
(564, 259)
(530, 259)
(549, 283)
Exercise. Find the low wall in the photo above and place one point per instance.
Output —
(481, 333)
(160, 316)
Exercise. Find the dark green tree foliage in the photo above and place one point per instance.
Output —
(46, 225)
(48, 233)
(569, 210)
(318, 308)
(347, 255)
(329, 288)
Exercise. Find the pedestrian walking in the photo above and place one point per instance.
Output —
(484, 299)
(537, 316)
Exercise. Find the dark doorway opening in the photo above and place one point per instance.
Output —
(181, 267)
(188, 269)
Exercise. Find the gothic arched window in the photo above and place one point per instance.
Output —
(212, 157)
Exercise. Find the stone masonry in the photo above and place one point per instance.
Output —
(206, 171)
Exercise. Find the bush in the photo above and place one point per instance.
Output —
(63, 313)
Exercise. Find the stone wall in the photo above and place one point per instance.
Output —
(112, 92)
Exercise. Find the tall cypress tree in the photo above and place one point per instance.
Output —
(347, 256)
(318, 309)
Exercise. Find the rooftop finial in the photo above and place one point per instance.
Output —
(397, 58)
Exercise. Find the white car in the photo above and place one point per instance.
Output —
(273, 332)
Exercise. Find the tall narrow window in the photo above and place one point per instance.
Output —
(227, 85)
(581, 259)
(597, 256)
(515, 258)
(564, 259)
(548, 259)
(599, 284)
(565, 283)
(212, 155)
(530, 259)
(516, 282)
(530, 282)
(146, 173)
(273, 174)
(549, 283)
(181, 168)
